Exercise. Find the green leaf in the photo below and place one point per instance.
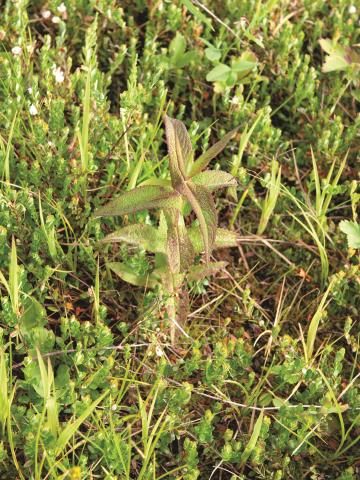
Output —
(145, 236)
(219, 73)
(180, 150)
(177, 47)
(253, 439)
(213, 54)
(326, 44)
(352, 231)
(33, 315)
(179, 249)
(204, 159)
(197, 13)
(141, 198)
(338, 57)
(127, 274)
(186, 59)
(71, 428)
(223, 239)
(203, 205)
(199, 272)
(245, 63)
(214, 179)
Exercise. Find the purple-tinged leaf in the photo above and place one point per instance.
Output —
(180, 150)
(203, 205)
(199, 272)
(141, 235)
(224, 239)
(141, 198)
(179, 249)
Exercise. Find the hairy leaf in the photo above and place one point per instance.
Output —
(141, 198)
(214, 179)
(204, 159)
(179, 249)
(126, 274)
(199, 272)
(352, 230)
(180, 150)
(224, 239)
(144, 236)
(203, 205)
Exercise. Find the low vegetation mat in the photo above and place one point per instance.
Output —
(179, 240)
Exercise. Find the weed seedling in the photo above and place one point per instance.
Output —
(174, 244)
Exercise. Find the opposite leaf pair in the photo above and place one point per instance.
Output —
(174, 245)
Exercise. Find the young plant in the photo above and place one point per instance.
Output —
(174, 244)
(269, 202)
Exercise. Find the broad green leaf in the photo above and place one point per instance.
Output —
(177, 47)
(203, 205)
(214, 179)
(326, 44)
(334, 62)
(224, 239)
(180, 150)
(199, 272)
(32, 316)
(244, 64)
(185, 59)
(145, 236)
(338, 57)
(213, 54)
(141, 198)
(204, 159)
(219, 73)
(352, 231)
(127, 274)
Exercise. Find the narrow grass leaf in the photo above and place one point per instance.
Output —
(72, 427)
(253, 439)
(204, 159)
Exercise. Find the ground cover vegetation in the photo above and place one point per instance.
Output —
(179, 239)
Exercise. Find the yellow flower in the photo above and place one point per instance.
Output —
(75, 473)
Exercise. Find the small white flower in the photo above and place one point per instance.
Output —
(16, 50)
(113, 407)
(56, 19)
(46, 14)
(58, 74)
(61, 8)
(235, 100)
(30, 90)
(159, 351)
(33, 110)
(304, 370)
(352, 9)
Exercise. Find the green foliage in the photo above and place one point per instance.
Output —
(174, 247)
(263, 383)
(352, 231)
